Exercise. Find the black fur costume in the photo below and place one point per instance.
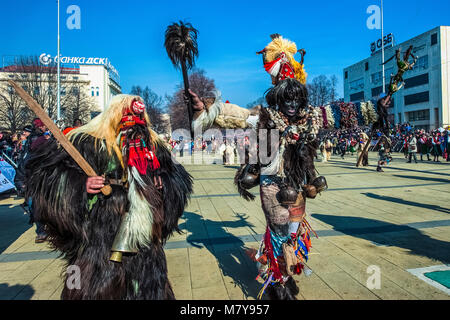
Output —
(299, 175)
(84, 235)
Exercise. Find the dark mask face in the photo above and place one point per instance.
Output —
(290, 107)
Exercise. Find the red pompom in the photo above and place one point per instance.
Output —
(138, 107)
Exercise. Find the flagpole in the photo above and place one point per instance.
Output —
(382, 47)
(58, 77)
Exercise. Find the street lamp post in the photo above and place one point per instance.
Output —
(58, 94)
(382, 47)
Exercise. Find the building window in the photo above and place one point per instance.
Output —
(346, 74)
(97, 90)
(92, 91)
(422, 63)
(367, 66)
(377, 77)
(63, 91)
(357, 84)
(434, 39)
(378, 90)
(24, 76)
(75, 91)
(417, 98)
(63, 77)
(75, 78)
(421, 115)
(416, 81)
(36, 90)
(436, 117)
(357, 97)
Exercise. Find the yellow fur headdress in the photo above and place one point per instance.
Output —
(279, 62)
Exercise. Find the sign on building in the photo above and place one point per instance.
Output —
(378, 45)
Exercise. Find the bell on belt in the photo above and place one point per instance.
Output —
(320, 183)
(287, 195)
(250, 177)
(121, 242)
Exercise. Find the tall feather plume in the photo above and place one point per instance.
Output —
(181, 44)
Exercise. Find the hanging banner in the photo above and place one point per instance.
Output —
(7, 170)
(5, 184)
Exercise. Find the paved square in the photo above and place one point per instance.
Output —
(396, 221)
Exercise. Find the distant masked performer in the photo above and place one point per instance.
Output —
(396, 83)
(115, 241)
(285, 174)
(363, 140)
(403, 65)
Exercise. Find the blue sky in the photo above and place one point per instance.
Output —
(131, 34)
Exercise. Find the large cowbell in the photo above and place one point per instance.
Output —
(121, 242)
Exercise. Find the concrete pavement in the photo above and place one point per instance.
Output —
(394, 221)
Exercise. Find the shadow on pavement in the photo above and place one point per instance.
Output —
(352, 165)
(227, 249)
(17, 292)
(232, 167)
(13, 223)
(408, 203)
(376, 231)
(422, 178)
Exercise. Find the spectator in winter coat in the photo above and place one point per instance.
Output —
(412, 147)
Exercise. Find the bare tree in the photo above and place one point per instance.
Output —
(41, 83)
(78, 104)
(14, 114)
(322, 90)
(203, 86)
(333, 89)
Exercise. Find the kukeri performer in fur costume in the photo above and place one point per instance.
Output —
(363, 140)
(149, 194)
(286, 179)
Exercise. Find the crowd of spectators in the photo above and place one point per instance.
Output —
(428, 142)
(404, 138)
(12, 145)
(16, 149)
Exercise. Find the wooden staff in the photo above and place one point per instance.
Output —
(62, 139)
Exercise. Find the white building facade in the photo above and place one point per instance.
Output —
(102, 86)
(424, 101)
(100, 79)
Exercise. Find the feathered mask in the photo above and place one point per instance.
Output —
(279, 62)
